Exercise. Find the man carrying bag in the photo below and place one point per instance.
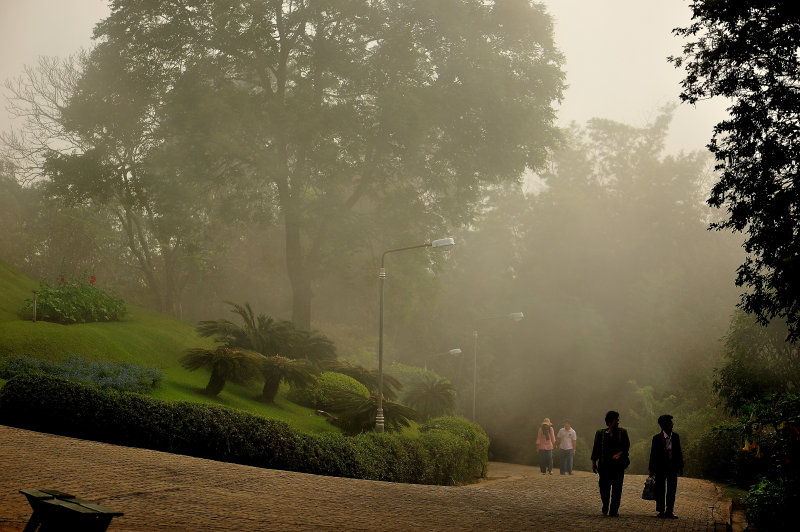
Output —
(666, 464)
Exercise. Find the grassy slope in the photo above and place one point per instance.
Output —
(143, 337)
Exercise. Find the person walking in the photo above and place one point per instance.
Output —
(567, 442)
(609, 460)
(544, 444)
(666, 464)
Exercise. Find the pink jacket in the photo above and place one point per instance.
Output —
(545, 445)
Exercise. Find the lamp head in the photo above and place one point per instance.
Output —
(455, 351)
(516, 316)
(443, 242)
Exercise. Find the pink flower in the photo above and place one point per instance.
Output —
(62, 280)
(92, 279)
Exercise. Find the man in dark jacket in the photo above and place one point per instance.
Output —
(609, 459)
(666, 463)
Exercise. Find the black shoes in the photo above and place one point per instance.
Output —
(670, 516)
(660, 515)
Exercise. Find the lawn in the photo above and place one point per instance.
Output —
(142, 337)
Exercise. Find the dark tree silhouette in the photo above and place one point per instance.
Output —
(747, 52)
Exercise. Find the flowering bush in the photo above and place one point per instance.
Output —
(74, 301)
(123, 376)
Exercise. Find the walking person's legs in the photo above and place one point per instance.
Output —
(672, 487)
(617, 477)
(543, 461)
(564, 467)
(570, 461)
(604, 483)
(661, 480)
(550, 461)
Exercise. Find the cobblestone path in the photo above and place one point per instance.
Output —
(160, 491)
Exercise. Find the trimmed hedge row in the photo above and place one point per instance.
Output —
(450, 452)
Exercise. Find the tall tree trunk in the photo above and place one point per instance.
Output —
(299, 276)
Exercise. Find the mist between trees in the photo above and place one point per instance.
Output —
(269, 157)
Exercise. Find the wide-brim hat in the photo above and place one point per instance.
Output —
(546, 421)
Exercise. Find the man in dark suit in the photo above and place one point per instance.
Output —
(666, 463)
(609, 460)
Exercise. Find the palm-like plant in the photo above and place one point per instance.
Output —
(275, 369)
(278, 341)
(354, 413)
(225, 364)
(432, 397)
(310, 345)
(367, 376)
(261, 333)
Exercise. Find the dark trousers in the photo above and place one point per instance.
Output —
(670, 480)
(610, 484)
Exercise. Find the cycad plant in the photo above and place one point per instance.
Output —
(225, 363)
(432, 397)
(274, 369)
(261, 333)
(354, 413)
(310, 345)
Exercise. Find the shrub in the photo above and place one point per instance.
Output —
(74, 302)
(50, 404)
(122, 376)
(771, 504)
(447, 451)
(325, 389)
(478, 442)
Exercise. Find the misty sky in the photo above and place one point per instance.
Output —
(615, 49)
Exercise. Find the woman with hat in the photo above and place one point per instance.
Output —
(544, 444)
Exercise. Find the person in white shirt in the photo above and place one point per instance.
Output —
(567, 443)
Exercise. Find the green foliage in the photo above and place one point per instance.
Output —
(121, 376)
(758, 361)
(772, 504)
(717, 454)
(770, 430)
(325, 387)
(74, 301)
(51, 404)
(432, 397)
(747, 52)
(276, 369)
(270, 337)
(259, 333)
(404, 88)
(354, 413)
(476, 438)
(367, 376)
(224, 363)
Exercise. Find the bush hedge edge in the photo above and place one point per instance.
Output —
(447, 452)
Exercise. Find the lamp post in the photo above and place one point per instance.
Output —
(440, 243)
(516, 316)
(452, 352)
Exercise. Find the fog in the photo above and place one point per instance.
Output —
(624, 290)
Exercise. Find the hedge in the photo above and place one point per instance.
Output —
(451, 451)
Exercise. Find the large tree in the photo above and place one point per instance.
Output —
(748, 52)
(342, 109)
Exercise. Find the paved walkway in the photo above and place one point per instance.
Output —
(160, 491)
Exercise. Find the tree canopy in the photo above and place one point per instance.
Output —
(340, 110)
(748, 52)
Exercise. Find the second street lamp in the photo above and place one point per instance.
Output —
(516, 316)
(440, 243)
(451, 352)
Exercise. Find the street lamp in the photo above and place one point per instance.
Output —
(451, 352)
(440, 243)
(516, 316)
